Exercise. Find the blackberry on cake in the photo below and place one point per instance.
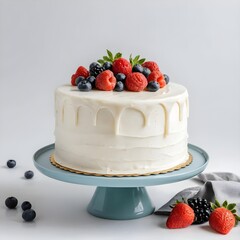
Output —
(96, 69)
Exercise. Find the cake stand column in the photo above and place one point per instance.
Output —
(120, 203)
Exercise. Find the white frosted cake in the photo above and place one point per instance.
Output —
(121, 133)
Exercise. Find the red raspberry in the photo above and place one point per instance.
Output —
(136, 82)
(151, 65)
(105, 81)
(121, 65)
(81, 71)
(153, 76)
(161, 82)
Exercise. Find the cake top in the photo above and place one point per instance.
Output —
(171, 92)
(115, 73)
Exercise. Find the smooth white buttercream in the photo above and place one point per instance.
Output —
(121, 132)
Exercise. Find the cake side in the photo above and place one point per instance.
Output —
(121, 133)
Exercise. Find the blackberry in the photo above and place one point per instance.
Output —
(95, 70)
(201, 208)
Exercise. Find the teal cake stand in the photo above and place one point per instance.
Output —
(120, 198)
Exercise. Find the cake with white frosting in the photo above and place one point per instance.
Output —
(121, 133)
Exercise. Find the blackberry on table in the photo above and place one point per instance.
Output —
(201, 208)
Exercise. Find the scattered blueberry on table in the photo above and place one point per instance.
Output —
(11, 163)
(26, 205)
(29, 215)
(11, 202)
(29, 174)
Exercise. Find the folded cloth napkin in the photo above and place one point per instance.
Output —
(218, 185)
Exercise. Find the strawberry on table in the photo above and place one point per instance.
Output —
(224, 217)
(181, 216)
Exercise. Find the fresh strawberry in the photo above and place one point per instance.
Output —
(136, 82)
(154, 75)
(224, 217)
(81, 71)
(181, 216)
(151, 65)
(121, 65)
(105, 81)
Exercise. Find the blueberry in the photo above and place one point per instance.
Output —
(85, 86)
(28, 215)
(146, 72)
(79, 79)
(91, 79)
(119, 86)
(120, 77)
(166, 78)
(93, 65)
(107, 66)
(28, 174)
(11, 202)
(153, 86)
(137, 68)
(26, 205)
(11, 163)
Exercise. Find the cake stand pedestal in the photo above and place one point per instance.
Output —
(120, 198)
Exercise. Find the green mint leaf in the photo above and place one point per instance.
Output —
(136, 58)
(141, 61)
(234, 211)
(110, 55)
(118, 55)
(106, 58)
(100, 61)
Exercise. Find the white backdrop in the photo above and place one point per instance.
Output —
(197, 43)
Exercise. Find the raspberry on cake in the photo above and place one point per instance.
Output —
(151, 65)
(136, 82)
(81, 71)
(105, 81)
(121, 65)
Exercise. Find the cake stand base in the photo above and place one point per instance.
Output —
(120, 198)
(120, 203)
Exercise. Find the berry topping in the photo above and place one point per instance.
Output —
(105, 81)
(29, 174)
(119, 86)
(153, 76)
(81, 71)
(94, 64)
(11, 163)
(151, 65)
(201, 208)
(161, 82)
(166, 78)
(29, 215)
(136, 82)
(107, 66)
(121, 77)
(95, 70)
(146, 72)
(26, 205)
(181, 216)
(137, 68)
(79, 79)
(91, 79)
(11, 202)
(136, 60)
(223, 217)
(122, 65)
(153, 86)
(85, 86)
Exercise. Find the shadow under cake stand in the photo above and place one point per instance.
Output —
(120, 198)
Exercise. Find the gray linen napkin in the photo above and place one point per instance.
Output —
(220, 185)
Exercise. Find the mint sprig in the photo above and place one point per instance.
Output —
(110, 57)
(136, 60)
